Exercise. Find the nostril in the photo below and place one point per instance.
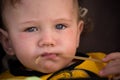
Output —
(48, 44)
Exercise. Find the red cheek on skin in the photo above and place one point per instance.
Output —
(24, 36)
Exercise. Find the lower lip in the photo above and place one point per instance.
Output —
(49, 56)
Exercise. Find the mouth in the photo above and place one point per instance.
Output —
(49, 55)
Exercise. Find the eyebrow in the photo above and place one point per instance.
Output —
(56, 20)
(62, 19)
(27, 22)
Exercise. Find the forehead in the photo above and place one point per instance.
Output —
(36, 4)
(40, 8)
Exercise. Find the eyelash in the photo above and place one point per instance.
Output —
(34, 29)
(60, 26)
(31, 29)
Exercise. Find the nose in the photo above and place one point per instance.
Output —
(47, 39)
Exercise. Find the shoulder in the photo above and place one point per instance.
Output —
(97, 55)
(93, 66)
(5, 74)
(8, 76)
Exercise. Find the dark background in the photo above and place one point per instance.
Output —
(105, 36)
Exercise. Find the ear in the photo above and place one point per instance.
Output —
(4, 40)
(79, 31)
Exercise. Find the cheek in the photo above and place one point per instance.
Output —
(23, 45)
(71, 37)
(70, 41)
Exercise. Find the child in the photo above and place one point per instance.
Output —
(40, 34)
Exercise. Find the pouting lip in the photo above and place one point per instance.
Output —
(51, 56)
(48, 54)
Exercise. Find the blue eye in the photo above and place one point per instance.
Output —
(31, 29)
(60, 26)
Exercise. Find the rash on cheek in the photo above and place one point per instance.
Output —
(20, 40)
(24, 36)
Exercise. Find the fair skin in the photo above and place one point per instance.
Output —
(37, 29)
(46, 28)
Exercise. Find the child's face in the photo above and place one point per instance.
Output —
(45, 28)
